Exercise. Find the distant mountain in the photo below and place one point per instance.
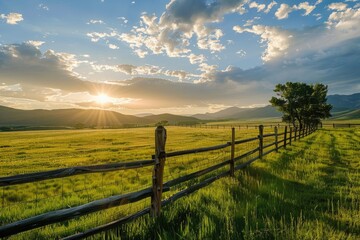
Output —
(343, 105)
(66, 117)
(172, 119)
(347, 115)
(81, 118)
(222, 114)
(143, 114)
(344, 102)
(241, 113)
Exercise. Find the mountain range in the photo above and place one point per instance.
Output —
(344, 107)
(82, 118)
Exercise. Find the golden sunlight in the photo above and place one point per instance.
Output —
(102, 99)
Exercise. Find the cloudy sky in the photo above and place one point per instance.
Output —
(178, 56)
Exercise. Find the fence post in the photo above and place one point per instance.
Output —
(295, 133)
(290, 137)
(232, 163)
(261, 140)
(285, 135)
(276, 139)
(160, 157)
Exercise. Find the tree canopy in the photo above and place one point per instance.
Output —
(302, 104)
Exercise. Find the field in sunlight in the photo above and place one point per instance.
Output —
(309, 191)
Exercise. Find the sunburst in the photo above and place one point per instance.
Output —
(102, 99)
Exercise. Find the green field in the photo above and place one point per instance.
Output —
(309, 191)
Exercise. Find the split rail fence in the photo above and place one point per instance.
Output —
(263, 145)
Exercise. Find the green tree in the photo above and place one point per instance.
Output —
(302, 104)
(162, 123)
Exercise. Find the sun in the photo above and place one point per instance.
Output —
(102, 98)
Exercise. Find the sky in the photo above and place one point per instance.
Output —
(177, 56)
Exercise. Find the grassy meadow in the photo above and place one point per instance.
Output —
(309, 191)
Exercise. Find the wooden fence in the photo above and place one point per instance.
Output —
(158, 187)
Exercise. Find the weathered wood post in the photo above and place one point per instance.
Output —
(295, 128)
(158, 172)
(232, 162)
(285, 135)
(290, 137)
(261, 140)
(276, 139)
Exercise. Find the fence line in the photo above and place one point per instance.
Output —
(158, 187)
(66, 172)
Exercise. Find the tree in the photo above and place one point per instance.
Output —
(162, 123)
(302, 104)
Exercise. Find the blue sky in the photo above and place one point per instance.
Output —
(178, 56)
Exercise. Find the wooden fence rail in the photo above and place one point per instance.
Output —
(158, 187)
(66, 172)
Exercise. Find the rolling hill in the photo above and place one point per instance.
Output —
(344, 107)
(82, 118)
(172, 119)
(347, 115)
(241, 113)
(66, 117)
(344, 102)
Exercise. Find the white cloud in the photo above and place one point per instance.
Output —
(196, 59)
(182, 20)
(305, 6)
(284, 10)
(181, 75)
(238, 29)
(94, 21)
(270, 6)
(144, 70)
(211, 41)
(277, 40)
(338, 6)
(25, 64)
(123, 19)
(241, 52)
(259, 7)
(12, 18)
(96, 36)
(35, 43)
(251, 21)
(67, 61)
(44, 7)
(113, 46)
(318, 16)
(347, 20)
(141, 53)
(24, 68)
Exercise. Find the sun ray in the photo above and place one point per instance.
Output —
(102, 99)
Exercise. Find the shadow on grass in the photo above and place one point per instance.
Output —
(258, 202)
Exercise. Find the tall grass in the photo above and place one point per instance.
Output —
(308, 191)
